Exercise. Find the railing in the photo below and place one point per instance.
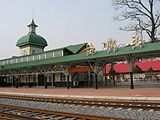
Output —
(27, 58)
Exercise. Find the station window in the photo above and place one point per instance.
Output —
(24, 52)
(58, 53)
(50, 78)
(62, 77)
(33, 51)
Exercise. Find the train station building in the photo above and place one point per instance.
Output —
(79, 65)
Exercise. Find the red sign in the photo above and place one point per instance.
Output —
(80, 69)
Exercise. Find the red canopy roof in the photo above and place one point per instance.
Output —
(144, 66)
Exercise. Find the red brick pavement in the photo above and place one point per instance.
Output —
(120, 92)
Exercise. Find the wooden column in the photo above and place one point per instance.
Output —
(131, 66)
(131, 77)
(65, 70)
(29, 81)
(67, 78)
(113, 73)
(96, 80)
(11, 78)
(16, 81)
(96, 67)
(45, 81)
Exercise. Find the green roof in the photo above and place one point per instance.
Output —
(32, 39)
(148, 50)
(72, 48)
(75, 48)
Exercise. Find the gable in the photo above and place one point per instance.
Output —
(76, 48)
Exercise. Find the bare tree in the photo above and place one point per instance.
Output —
(144, 15)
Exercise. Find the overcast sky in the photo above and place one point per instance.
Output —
(60, 22)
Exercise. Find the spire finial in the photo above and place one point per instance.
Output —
(32, 27)
(32, 13)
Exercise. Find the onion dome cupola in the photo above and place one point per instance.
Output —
(31, 43)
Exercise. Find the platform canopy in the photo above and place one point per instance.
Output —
(149, 50)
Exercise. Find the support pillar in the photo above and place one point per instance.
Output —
(53, 79)
(96, 67)
(16, 82)
(113, 77)
(67, 77)
(131, 77)
(106, 80)
(45, 81)
(29, 81)
(65, 70)
(11, 79)
(131, 66)
(113, 73)
(96, 81)
(89, 78)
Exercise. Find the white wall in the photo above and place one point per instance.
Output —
(27, 50)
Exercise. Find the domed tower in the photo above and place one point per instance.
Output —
(31, 43)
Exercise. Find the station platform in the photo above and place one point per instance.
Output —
(146, 94)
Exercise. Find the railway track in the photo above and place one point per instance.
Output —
(154, 106)
(10, 112)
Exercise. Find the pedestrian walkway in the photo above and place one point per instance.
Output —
(101, 93)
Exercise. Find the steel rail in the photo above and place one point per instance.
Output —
(46, 113)
(106, 103)
(11, 116)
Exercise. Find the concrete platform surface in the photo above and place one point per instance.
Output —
(101, 93)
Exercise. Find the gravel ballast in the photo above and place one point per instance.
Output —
(100, 111)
